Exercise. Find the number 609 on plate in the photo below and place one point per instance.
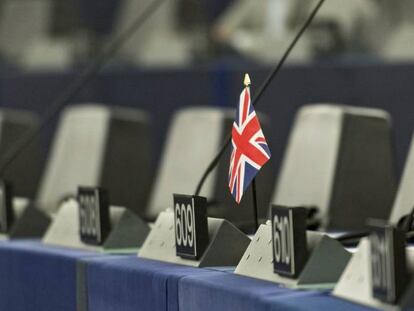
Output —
(191, 227)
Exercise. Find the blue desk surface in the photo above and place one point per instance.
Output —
(34, 276)
(38, 277)
(131, 283)
(233, 292)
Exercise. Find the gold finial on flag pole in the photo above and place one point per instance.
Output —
(247, 81)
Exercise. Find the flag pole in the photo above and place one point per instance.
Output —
(256, 216)
(247, 83)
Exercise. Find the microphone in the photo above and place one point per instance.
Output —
(259, 94)
(87, 74)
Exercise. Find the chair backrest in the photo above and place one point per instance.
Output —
(157, 42)
(404, 200)
(24, 171)
(193, 140)
(99, 146)
(340, 160)
(22, 22)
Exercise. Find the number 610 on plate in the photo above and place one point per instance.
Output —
(289, 240)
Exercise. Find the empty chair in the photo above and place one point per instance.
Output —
(26, 35)
(99, 146)
(194, 138)
(339, 159)
(398, 18)
(22, 22)
(398, 47)
(24, 171)
(353, 26)
(158, 42)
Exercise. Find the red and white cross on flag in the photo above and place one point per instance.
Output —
(250, 150)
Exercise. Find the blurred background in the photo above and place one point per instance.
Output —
(59, 34)
(195, 52)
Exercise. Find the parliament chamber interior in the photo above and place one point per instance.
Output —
(199, 155)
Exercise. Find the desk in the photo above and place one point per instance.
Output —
(226, 291)
(131, 283)
(34, 276)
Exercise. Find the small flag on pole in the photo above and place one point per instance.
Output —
(250, 150)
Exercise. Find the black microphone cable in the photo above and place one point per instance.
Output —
(405, 224)
(259, 94)
(87, 74)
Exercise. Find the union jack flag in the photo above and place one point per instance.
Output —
(250, 150)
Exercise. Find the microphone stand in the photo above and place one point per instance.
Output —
(256, 214)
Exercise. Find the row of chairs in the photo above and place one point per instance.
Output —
(380, 29)
(339, 159)
(26, 37)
